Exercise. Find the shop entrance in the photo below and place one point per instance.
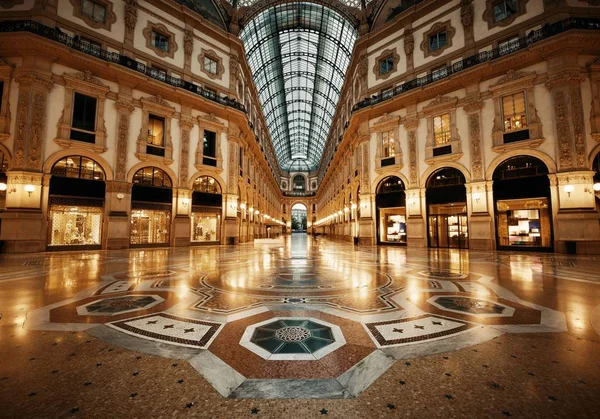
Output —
(76, 204)
(151, 203)
(447, 221)
(522, 204)
(391, 211)
(299, 214)
(207, 202)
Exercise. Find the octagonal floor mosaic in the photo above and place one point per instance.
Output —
(321, 320)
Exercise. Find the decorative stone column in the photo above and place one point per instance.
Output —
(479, 203)
(366, 228)
(118, 202)
(416, 233)
(131, 7)
(183, 196)
(231, 221)
(23, 224)
(577, 220)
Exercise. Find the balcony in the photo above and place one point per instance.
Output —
(85, 47)
(484, 57)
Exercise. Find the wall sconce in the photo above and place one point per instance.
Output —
(29, 189)
(256, 212)
(346, 209)
(120, 196)
(243, 206)
(411, 202)
(597, 186)
(476, 197)
(185, 201)
(3, 186)
(568, 189)
(353, 206)
(339, 212)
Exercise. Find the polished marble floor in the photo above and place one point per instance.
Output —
(299, 327)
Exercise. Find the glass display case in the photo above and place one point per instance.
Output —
(150, 226)
(523, 222)
(392, 225)
(205, 227)
(75, 225)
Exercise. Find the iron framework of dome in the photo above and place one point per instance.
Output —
(299, 53)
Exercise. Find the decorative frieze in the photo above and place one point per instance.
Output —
(186, 123)
(124, 109)
(411, 125)
(31, 120)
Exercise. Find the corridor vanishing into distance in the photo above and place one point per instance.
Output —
(300, 326)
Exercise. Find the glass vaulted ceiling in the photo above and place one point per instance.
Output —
(298, 53)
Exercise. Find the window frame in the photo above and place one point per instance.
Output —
(385, 55)
(435, 30)
(87, 85)
(158, 107)
(109, 17)
(212, 55)
(212, 124)
(160, 29)
(488, 14)
(512, 95)
(80, 129)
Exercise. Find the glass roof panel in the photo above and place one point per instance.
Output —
(299, 54)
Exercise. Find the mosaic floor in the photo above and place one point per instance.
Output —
(301, 327)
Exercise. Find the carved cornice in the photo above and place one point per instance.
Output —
(514, 80)
(157, 104)
(124, 105)
(30, 78)
(411, 124)
(186, 122)
(386, 121)
(564, 79)
(439, 104)
(474, 106)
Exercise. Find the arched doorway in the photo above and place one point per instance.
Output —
(151, 203)
(76, 204)
(446, 198)
(522, 204)
(391, 211)
(299, 213)
(207, 203)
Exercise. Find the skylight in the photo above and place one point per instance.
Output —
(299, 54)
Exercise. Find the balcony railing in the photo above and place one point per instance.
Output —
(78, 44)
(483, 57)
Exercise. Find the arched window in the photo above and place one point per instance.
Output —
(520, 167)
(447, 176)
(78, 167)
(299, 183)
(390, 184)
(206, 184)
(152, 176)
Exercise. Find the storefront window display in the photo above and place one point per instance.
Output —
(524, 222)
(150, 226)
(71, 226)
(393, 225)
(205, 227)
(448, 225)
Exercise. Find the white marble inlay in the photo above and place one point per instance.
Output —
(84, 309)
(338, 342)
(507, 312)
(118, 286)
(167, 327)
(416, 328)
